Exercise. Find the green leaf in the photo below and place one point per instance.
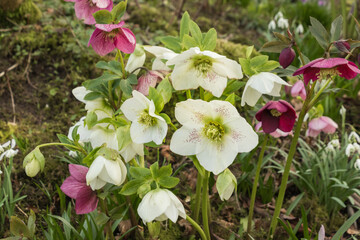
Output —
(282, 38)
(184, 25)
(209, 42)
(168, 182)
(165, 171)
(157, 98)
(336, 27)
(346, 226)
(166, 118)
(131, 187)
(245, 64)
(232, 86)
(268, 66)
(64, 139)
(92, 95)
(139, 172)
(132, 78)
(126, 86)
(18, 227)
(249, 50)
(294, 203)
(94, 83)
(91, 119)
(165, 89)
(341, 203)
(123, 136)
(189, 42)
(195, 32)
(31, 223)
(231, 98)
(154, 168)
(118, 11)
(258, 61)
(143, 189)
(103, 17)
(273, 46)
(101, 218)
(172, 43)
(319, 32)
(90, 157)
(113, 66)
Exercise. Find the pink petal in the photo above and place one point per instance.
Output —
(101, 44)
(312, 133)
(331, 126)
(84, 11)
(102, 3)
(269, 122)
(125, 40)
(146, 81)
(277, 105)
(109, 27)
(70, 0)
(348, 71)
(303, 68)
(310, 74)
(287, 121)
(317, 124)
(78, 172)
(71, 187)
(86, 201)
(330, 63)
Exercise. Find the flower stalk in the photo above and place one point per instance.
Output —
(196, 210)
(197, 227)
(63, 144)
(204, 212)
(109, 233)
(256, 180)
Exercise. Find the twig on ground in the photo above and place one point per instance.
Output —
(12, 97)
(21, 211)
(26, 72)
(9, 69)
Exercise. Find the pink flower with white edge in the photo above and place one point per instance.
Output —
(324, 124)
(298, 89)
(276, 134)
(323, 68)
(276, 115)
(75, 187)
(84, 9)
(107, 37)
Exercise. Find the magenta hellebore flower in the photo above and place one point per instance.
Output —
(75, 187)
(298, 89)
(324, 67)
(325, 124)
(84, 9)
(107, 37)
(276, 115)
(276, 134)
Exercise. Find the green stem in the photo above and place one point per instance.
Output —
(188, 94)
(197, 227)
(111, 98)
(109, 233)
(122, 63)
(256, 180)
(204, 207)
(63, 144)
(314, 100)
(201, 93)
(196, 210)
(300, 54)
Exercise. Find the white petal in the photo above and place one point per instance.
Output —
(5, 145)
(100, 135)
(159, 65)
(250, 96)
(135, 105)
(153, 205)
(228, 68)
(123, 171)
(213, 83)
(100, 107)
(140, 133)
(129, 151)
(177, 203)
(159, 132)
(184, 77)
(97, 184)
(183, 57)
(158, 52)
(95, 169)
(191, 112)
(80, 93)
(242, 134)
(187, 141)
(114, 171)
(135, 62)
(225, 110)
(13, 143)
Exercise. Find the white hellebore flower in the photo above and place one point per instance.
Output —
(82, 130)
(225, 184)
(272, 25)
(159, 205)
(136, 60)
(357, 164)
(194, 68)
(213, 131)
(160, 54)
(10, 151)
(146, 126)
(283, 23)
(261, 83)
(104, 171)
(299, 29)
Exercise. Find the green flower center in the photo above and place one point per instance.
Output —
(214, 131)
(146, 119)
(202, 63)
(112, 34)
(275, 113)
(326, 73)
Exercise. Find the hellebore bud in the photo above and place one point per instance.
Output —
(286, 57)
(34, 162)
(342, 46)
(225, 184)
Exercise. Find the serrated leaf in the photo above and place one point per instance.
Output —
(94, 83)
(172, 43)
(245, 65)
(123, 136)
(268, 66)
(258, 61)
(231, 98)
(184, 25)
(90, 157)
(118, 11)
(336, 27)
(232, 86)
(132, 78)
(154, 168)
(165, 89)
(101, 218)
(195, 32)
(209, 42)
(168, 182)
(125, 86)
(249, 51)
(143, 189)
(273, 46)
(165, 171)
(131, 187)
(103, 17)
(157, 99)
(319, 32)
(91, 119)
(139, 172)
(189, 42)
(282, 38)
(113, 66)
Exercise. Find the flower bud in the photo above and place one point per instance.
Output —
(286, 57)
(34, 162)
(342, 46)
(225, 184)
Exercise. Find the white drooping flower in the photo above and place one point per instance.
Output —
(357, 164)
(136, 60)
(104, 171)
(7, 149)
(98, 105)
(82, 130)
(146, 125)
(279, 15)
(299, 29)
(333, 144)
(213, 131)
(350, 149)
(354, 137)
(225, 184)
(283, 23)
(159, 205)
(160, 54)
(272, 25)
(342, 111)
(261, 83)
(194, 68)
(127, 148)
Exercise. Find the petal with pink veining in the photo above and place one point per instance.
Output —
(125, 40)
(287, 121)
(71, 187)
(310, 74)
(303, 68)
(86, 201)
(78, 172)
(109, 27)
(330, 63)
(101, 44)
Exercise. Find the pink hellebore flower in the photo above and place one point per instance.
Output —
(107, 37)
(324, 67)
(84, 9)
(148, 80)
(325, 124)
(75, 187)
(276, 115)
(276, 134)
(298, 89)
